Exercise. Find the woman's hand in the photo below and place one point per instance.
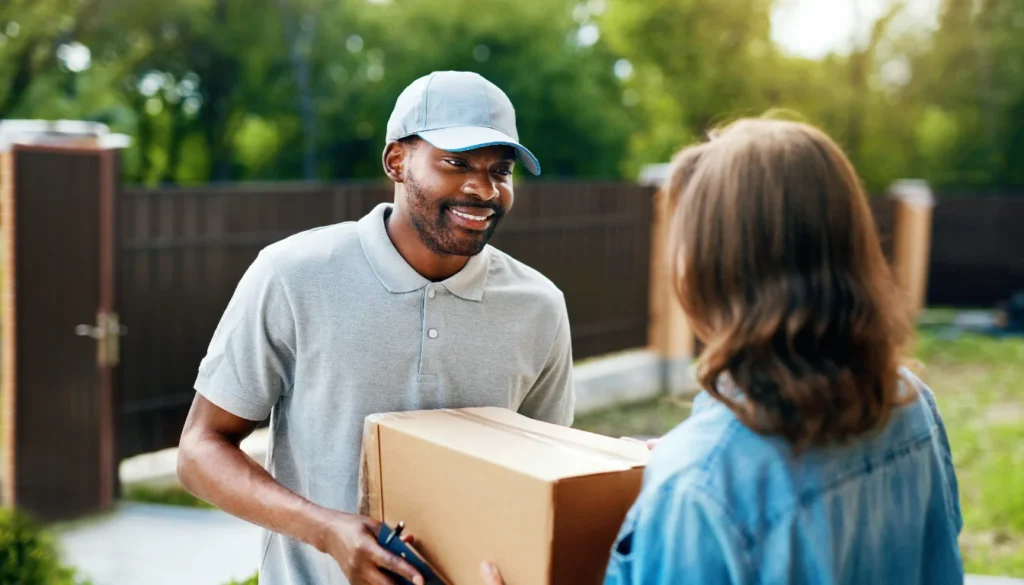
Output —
(490, 574)
(649, 442)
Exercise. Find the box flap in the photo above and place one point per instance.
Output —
(545, 451)
(464, 509)
(583, 540)
(370, 502)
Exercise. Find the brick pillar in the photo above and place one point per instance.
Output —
(7, 354)
(912, 240)
(669, 334)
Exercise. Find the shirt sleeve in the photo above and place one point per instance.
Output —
(251, 359)
(677, 537)
(552, 398)
(945, 454)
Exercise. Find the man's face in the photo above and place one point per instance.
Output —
(457, 200)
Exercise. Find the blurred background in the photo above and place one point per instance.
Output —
(227, 90)
(150, 148)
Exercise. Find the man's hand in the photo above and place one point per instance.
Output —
(352, 541)
(212, 466)
(490, 574)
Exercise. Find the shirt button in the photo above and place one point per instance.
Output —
(432, 293)
(432, 333)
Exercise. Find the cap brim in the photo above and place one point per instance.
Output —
(463, 138)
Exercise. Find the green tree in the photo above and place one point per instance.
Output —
(969, 81)
(696, 63)
(566, 95)
(241, 90)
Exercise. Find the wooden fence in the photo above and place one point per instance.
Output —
(977, 253)
(181, 253)
(184, 250)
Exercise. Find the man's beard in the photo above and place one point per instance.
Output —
(435, 227)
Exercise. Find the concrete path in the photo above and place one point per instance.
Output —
(167, 545)
(159, 468)
(162, 545)
(158, 545)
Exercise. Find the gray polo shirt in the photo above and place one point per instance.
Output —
(331, 325)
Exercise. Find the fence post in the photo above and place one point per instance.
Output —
(912, 240)
(668, 334)
(7, 331)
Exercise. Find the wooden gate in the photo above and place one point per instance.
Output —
(60, 330)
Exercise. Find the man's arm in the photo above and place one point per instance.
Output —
(213, 467)
(553, 396)
(249, 365)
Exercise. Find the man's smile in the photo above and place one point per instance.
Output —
(474, 218)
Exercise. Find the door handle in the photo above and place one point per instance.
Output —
(88, 331)
(107, 332)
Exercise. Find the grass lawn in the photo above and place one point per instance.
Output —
(173, 496)
(651, 418)
(979, 383)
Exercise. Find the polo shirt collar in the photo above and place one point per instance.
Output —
(395, 273)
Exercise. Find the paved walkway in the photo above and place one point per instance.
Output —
(162, 545)
(159, 469)
(165, 545)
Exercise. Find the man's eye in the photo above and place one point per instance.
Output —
(504, 172)
(455, 162)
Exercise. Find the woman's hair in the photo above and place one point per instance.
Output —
(777, 264)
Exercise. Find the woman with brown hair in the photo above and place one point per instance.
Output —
(812, 456)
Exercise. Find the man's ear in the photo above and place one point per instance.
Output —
(396, 157)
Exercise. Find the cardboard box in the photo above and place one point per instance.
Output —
(543, 502)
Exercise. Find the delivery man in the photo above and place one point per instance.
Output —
(407, 308)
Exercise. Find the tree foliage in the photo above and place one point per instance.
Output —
(290, 89)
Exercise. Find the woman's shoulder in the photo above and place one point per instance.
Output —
(919, 416)
(702, 449)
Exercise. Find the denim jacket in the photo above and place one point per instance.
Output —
(722, 504)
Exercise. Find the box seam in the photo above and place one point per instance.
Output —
(380, 476)
(551, 531)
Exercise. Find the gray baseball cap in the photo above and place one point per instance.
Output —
(458, 111)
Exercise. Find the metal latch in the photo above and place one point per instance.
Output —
(107, 332)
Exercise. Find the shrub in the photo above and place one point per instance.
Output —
(254, 580)
(28, 554)
(173, 496)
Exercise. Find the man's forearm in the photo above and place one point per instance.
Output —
(219, 472)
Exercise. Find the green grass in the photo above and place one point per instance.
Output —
(173, 496)
(651, 418)
(979, 384)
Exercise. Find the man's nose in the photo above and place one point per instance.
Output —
(481, 187)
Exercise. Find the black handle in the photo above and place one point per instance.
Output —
(390, 539)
